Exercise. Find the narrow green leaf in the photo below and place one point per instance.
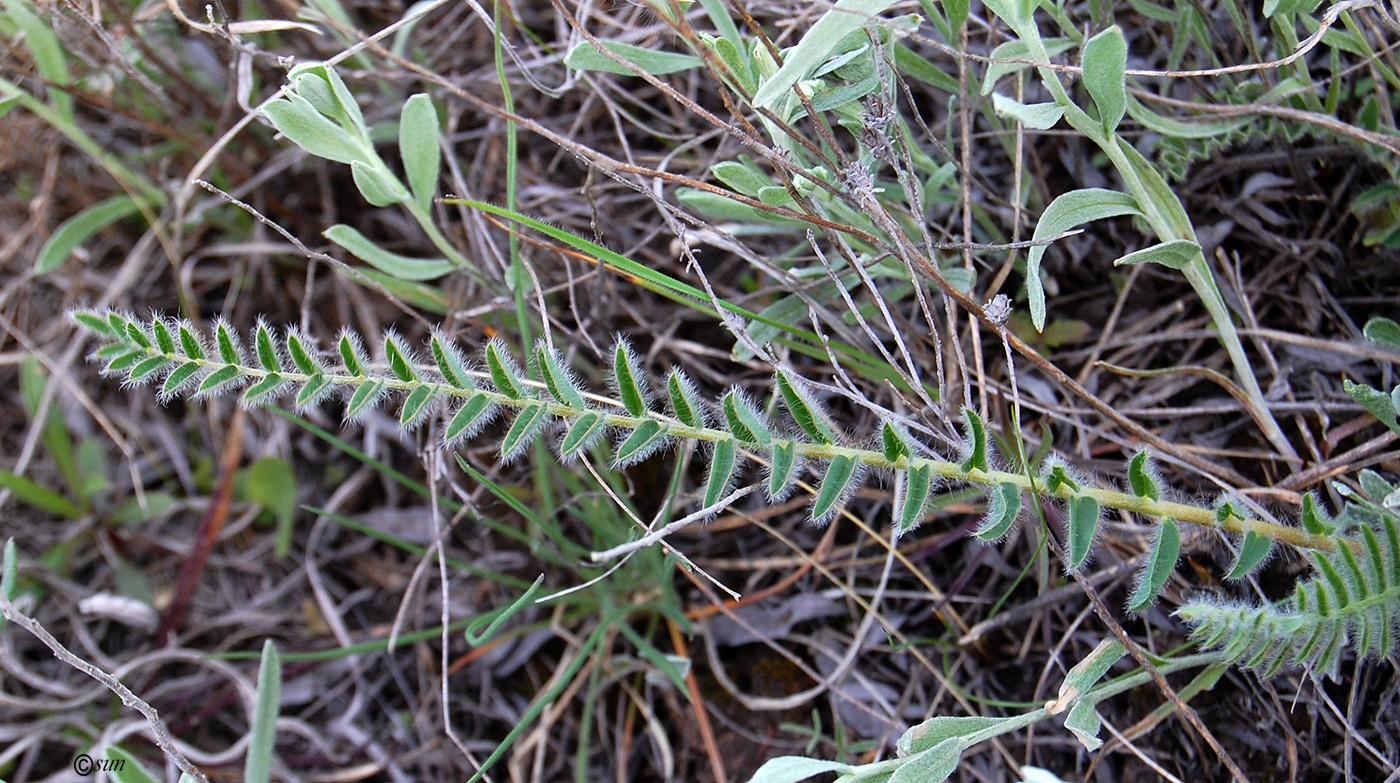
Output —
(313, 390)
(148, 366)
(582, 434)
(723, 460)
(31, 493)
(804, 409)
(190, 342)
(450, 363)
(645, 439)
(892, 442)
(118, 322)
(178, 378)
(228, 344)
(746, 422)
(137, 336)
(1173, 128)
(504, 372)
(918, 485)
(1105, 60)
(295, 118)
(586, 57)
(1083, 722)
(419, 134)
(165, 341)
(267, 387)
(626, 377)
(399, 360)
(263, 730)
(1084, 514)
(392, 264)
(528, 423)
(1166, 548)
(301, 357)
(782, 463)
(1177, 254)
(976, 442)
(685, 400)
(556, 377)
(123, 361)
(1142, 477)
(417, 405)
(1036, 116)
(9, 573)
(219, 378)
(350, 353)
(366, 396)
(1003, 507)
(80, 228)
(934, 765)
(95, 322)
(266, 350)
(1254, 550)
(469, 419)
(379, 186)
(1085, 674)
(816, 44)
(840, 477)
(1067, 211)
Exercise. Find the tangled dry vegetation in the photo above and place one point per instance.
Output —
(165, 543)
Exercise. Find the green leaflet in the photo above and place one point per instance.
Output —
(450, 363)
(147, 367)
(314, 389)
(1254, 550)
(504, 373)
(918, 484)
(892, 442)
(528, 423)
(400, 361)
(840, 476)
(364, 398)
(178, 378)
(745, 421)
(685, 400)
(266, 350)
(1166, 548)
(805, 411)
(217, 379)
(644, 440)
(1003, 506)
(301, 357)
(264, 389)
(723, 461)
(1084, 514)
(781, 466)
(417, 406)
(557, 378)
(469, 418)
(582, 434)
(1142, 477)
(350, 354)
(627, 377)
(977, 442)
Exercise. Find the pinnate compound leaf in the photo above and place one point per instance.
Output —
(746, 422)
(782, 465)
(399, 267)
(1067, 211)
(792, 769)
(685, 400)
(805, 411)
(418, 145)
(505, 374)
(918, 484)
(1105, 61)
(841, 475)
(1003, 507)
(1142, 477)
(528, 424)
(1254, 551)
(630, 380)
(557, 378)
(976, 442)
(1166, 548)
(469, 419)
(723, 461)
(644, 440)
(1084, 515)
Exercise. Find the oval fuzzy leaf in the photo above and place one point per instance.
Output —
(1383, 331)
(265, 389)
(1176, 254)
(685, 400)
(303, 358)
(1142, 477)
(1105, 60)
(417, 406)
(627, 377)
(364, 398)
(1002, 56)
(586, 57)
(398, 358)
(917, 486)
(379, 187)
(976, 442)
(450, 363)
(746, 422)
(418, 145)
(295, 118)
(1083, 722)
(723, 461)
(582, 434)
(351, 354)
(1036, 116)
(229, 349)
(504, 372)
(781, 466)
(178, 378)
(1067, 211)
(266, 349)
(1158, 569)
(840, 477)
(528, 423)
(80, 228)
(1315, 520)
(892, 442)
(1084, 516)
(645, 439)
(316, 387)
(146, 367)
(557, 378)
(804, 410)
(224, 376)
(392, 264)
(469, 418)
(1003, 506)
(1254, 550)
